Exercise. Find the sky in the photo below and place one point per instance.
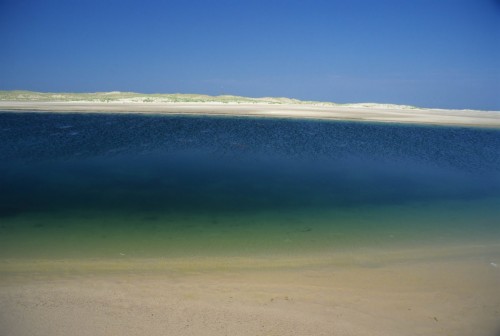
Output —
(428, 53)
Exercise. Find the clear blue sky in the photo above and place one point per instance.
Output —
(435, 53)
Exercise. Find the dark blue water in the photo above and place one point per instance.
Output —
(99, 184)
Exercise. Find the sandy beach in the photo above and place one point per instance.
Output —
(454, 294)
(354, 112)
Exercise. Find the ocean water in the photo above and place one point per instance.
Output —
(129, 185)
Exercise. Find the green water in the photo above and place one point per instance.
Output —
(152, 234)
(109, 186)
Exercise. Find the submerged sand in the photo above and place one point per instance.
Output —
(354, 112)
(441, 291)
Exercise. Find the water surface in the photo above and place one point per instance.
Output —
(110, 185)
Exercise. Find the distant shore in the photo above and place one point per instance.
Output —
(266, 109)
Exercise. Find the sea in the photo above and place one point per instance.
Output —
(125, 185)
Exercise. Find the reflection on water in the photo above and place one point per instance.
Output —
(103, 185)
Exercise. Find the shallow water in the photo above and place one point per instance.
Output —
(109, 185)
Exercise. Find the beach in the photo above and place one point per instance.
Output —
(441, 296)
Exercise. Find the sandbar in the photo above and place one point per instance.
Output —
(354, 112)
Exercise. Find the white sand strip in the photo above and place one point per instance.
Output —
(301, 111)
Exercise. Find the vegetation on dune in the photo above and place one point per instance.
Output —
(132, 97)
(116, 96)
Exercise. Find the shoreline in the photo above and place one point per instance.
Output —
(455, 295)
(488, 251)
(460, 118)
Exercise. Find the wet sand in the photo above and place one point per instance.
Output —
(455, 293)
(302, 111)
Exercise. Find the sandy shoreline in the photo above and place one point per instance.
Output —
(453, 294)
(490, 119)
